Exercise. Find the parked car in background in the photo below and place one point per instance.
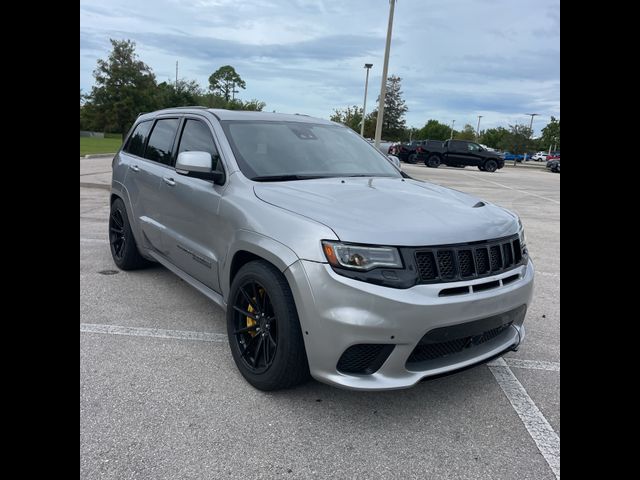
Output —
(407, 151)
(553, 156)
(554, 165)
(540, 157)
(458, 153)
(508, 156)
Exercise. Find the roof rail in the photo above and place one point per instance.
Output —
(188, 106)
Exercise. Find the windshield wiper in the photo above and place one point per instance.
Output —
(284, 178)
(367, 175)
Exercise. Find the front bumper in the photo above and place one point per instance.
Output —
(337, 312)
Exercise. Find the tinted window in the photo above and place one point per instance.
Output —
(161, 141)
(473, 147)
(196, 137)
(272, 148)
(135, 145)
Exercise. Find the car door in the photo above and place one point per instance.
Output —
(190, 217)
(145, 176)
(474, 154)
(456, 153)
(142, 184)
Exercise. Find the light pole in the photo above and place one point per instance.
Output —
(453, 122)
(531, 123)
(383, 85)
(478, 128)
(364, 106)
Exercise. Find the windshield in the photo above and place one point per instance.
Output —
(268, 150)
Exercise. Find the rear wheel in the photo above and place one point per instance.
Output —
(412, 159)
(264, 330)
(123, 246)
(490, 165)
(433, 161)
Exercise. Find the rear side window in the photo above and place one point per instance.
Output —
(196, 137)
(138, 138)
(161, 141)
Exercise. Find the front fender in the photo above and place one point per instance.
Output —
(265, 247)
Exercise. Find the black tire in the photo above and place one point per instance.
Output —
(490, 165)
(123, 246)
(433, 161)
(481, 168)
(267, 360)
(412, 159)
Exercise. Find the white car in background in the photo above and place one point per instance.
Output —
(540, 157)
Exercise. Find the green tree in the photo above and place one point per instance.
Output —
(124, 87)
(492, 137)
(186, 93)
(551, 135)
(467, 133)
(393, 123)
(517, 140)
(224, 80)
(350, 116)
(434, 130)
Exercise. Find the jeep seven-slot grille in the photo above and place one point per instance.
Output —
(467, 261)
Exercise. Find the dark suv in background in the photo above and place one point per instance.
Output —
(459, 153)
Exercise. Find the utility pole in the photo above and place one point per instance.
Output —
(530, 131)
(478, 128)
(453, 122)
(385, 67)
(531, 123)
(176, 75)
(364, 106)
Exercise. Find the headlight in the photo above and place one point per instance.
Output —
(521, 232)
(361, 257)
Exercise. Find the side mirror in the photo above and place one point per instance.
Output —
(394, 160)
(198, 164)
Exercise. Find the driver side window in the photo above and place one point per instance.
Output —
(196, 137)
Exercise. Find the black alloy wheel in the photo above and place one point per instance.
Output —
(433, 161)
(490, 165)
(117, 237)
(255, 327)
(124, 250)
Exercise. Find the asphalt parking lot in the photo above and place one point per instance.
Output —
(160, 396)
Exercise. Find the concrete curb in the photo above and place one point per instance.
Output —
(99, 155)
(520, 165)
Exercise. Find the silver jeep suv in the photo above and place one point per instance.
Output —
(329, 261)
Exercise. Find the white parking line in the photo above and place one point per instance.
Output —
(541, 432)
(93, 240)
(529, 364)
(511, 188)
(152, 332)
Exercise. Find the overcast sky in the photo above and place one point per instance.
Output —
(457, 58)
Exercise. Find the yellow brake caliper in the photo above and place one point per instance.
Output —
(250, 321)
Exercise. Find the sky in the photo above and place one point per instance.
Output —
(457, 58)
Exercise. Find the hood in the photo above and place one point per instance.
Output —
(389, 211)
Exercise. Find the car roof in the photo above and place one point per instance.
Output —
(223, 114)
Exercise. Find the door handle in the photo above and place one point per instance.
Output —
(169, 181)
(135, 168)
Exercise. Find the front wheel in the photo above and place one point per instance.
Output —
(490, 165)
(481, 168)
(264, 330)
(433, 161)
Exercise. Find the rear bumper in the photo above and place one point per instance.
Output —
(337, 312)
